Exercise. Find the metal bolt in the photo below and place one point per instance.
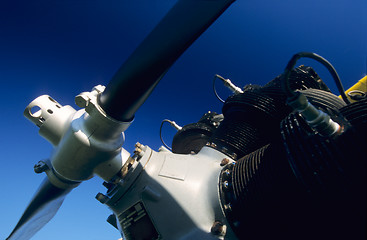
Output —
(227, 207)
(226, 175)
(138, 145)
(218, 228)
(82, 100)
(138, 151)
(102, 198)
(40, 167)
(108, 185)
(99, 88)
(224, 161)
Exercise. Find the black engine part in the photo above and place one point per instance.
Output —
(192, 137)
(251, 119)
(308, 189)
(293, 183)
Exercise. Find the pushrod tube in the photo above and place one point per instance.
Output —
(138, 76)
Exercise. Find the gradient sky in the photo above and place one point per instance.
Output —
(62, 48)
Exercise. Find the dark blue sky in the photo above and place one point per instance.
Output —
(62, 48)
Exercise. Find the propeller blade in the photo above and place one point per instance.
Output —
(129, 88)
(137, 77)
(43, 207)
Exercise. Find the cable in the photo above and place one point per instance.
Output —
(173, 124)
(228, 84)
(287, 72)
(316, 118)
(215, 91)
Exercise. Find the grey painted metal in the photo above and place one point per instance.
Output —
(51, 117)
(87, 142)
(180, 194)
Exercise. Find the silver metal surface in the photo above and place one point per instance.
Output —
(179, 192)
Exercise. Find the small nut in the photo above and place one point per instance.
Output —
(99, 88)
(227, 207)
(82, 100)
(102, 198)
(40, 167)
(138, 145)
(137, 151)
(218, 228)
(224, 161)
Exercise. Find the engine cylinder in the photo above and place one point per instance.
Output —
(291, 182)
(251, 119)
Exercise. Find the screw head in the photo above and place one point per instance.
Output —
(40, 167)
(227, 207)
(102, 198)
(138, 151)
(218, 228)
(99, 88)
(224, 161)
(82, 100)
(138, 145)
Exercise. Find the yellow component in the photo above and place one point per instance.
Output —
(359, 87)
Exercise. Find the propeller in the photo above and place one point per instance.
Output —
(137, 77)
(108, 115)
(42, 208)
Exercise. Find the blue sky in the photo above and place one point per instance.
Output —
(62, 48)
